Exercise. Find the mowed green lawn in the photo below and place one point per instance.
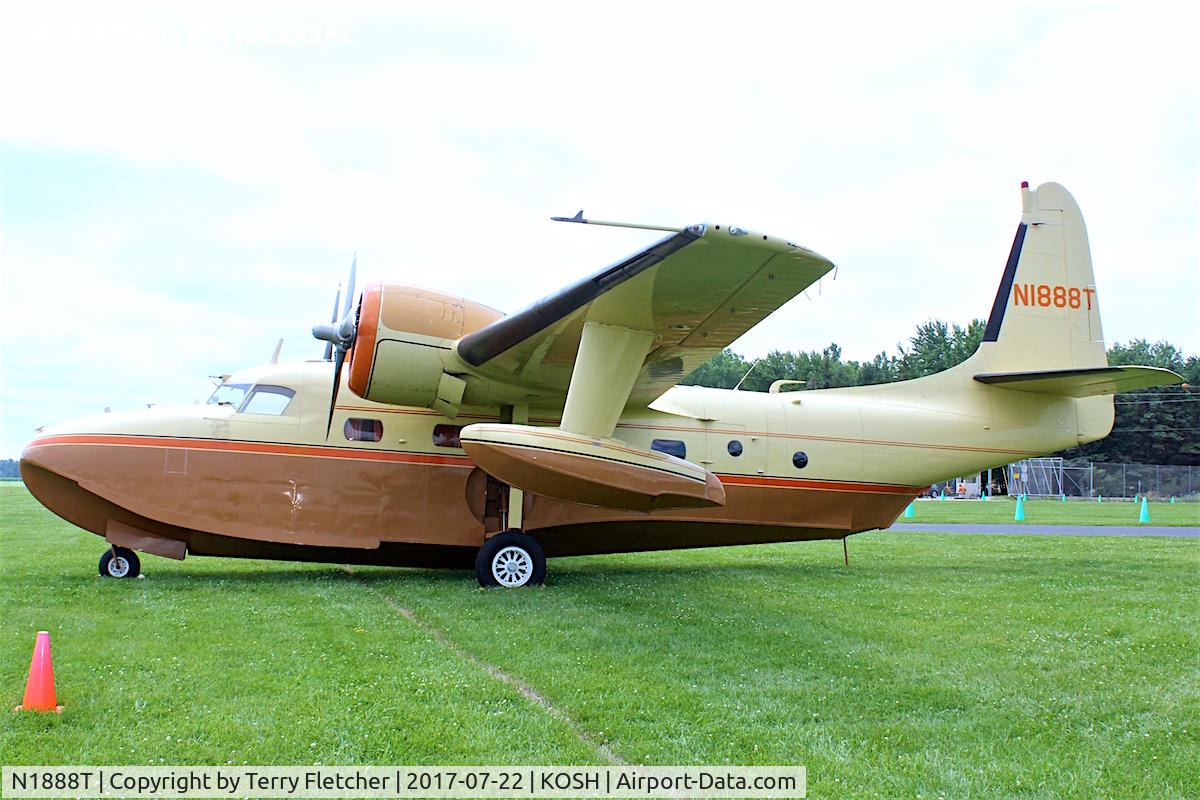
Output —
(935, 665)
(1000, 510)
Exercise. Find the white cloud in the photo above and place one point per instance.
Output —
(435, 139)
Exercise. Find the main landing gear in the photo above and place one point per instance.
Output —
(119, 562)
(511, 559)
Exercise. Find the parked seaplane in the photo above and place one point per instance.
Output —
(459, 436)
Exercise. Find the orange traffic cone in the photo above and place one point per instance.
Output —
(39, 689)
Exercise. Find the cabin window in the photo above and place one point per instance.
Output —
(447, 435)
(800, 460)
(363, 430)
(270, 400)
(734, 447)
(672, 447)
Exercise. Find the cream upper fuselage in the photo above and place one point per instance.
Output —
(565, 409)
(807, 464)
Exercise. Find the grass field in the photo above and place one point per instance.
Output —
(1000, 510)
(935, 666)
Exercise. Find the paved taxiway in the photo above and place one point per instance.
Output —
(1049, 530)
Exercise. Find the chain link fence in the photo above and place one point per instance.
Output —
(1052, 477)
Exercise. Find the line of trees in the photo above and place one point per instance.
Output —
(1153, 426)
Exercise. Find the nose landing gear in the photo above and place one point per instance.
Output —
(119, 562)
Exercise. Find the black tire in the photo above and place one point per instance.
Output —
(511, 560)
(120, 562)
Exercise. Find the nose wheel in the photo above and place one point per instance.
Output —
(512, 560)
(119, 562)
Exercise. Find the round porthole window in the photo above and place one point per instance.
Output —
(734, 447)
(800, 460)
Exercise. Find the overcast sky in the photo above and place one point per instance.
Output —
(180, 188)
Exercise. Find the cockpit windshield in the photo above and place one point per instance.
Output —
(229, 394)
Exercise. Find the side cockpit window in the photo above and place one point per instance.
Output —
(269, 400)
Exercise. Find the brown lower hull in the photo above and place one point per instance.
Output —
(437, 527)
(93, 513)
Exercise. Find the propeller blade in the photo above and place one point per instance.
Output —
(333, 318)
(350, 287)
(337, 301)
(339, 358)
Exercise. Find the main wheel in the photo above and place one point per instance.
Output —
(511, 560)
(119, 562)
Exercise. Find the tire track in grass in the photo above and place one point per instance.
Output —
(522, 688)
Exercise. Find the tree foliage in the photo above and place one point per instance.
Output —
(1153, 426)
(937, 346)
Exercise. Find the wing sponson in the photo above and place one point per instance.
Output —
(604, 472)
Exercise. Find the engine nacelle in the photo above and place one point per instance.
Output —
(405, 335)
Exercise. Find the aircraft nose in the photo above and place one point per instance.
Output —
(39, 454)
(51, 479)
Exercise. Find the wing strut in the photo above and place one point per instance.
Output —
(609, 360)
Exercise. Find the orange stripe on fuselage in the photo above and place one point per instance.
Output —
(818, 438)
(684, 429)
(391, 456)
(826, 486)
(266, 448)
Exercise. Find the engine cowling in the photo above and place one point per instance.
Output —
(405, 334)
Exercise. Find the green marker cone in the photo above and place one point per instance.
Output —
(909, 511)
(1020, 515)
(1145, 515)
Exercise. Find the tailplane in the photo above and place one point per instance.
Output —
(1087, 382)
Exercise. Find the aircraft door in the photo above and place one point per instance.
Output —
(735, 435)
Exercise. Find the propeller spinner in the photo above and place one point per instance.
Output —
(339, 336)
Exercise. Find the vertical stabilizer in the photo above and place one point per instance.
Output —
(1046, 315)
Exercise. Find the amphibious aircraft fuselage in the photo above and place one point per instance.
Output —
(458, 434)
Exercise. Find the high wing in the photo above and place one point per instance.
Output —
(619, 337)
(691, 295)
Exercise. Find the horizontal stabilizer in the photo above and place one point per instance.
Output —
(1087, 382)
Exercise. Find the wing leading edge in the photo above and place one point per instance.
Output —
(694, 292)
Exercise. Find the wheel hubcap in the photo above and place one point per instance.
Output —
(512, 566)
(118, 567)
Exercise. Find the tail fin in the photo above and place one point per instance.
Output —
(1047, 313)
(1044, 331)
